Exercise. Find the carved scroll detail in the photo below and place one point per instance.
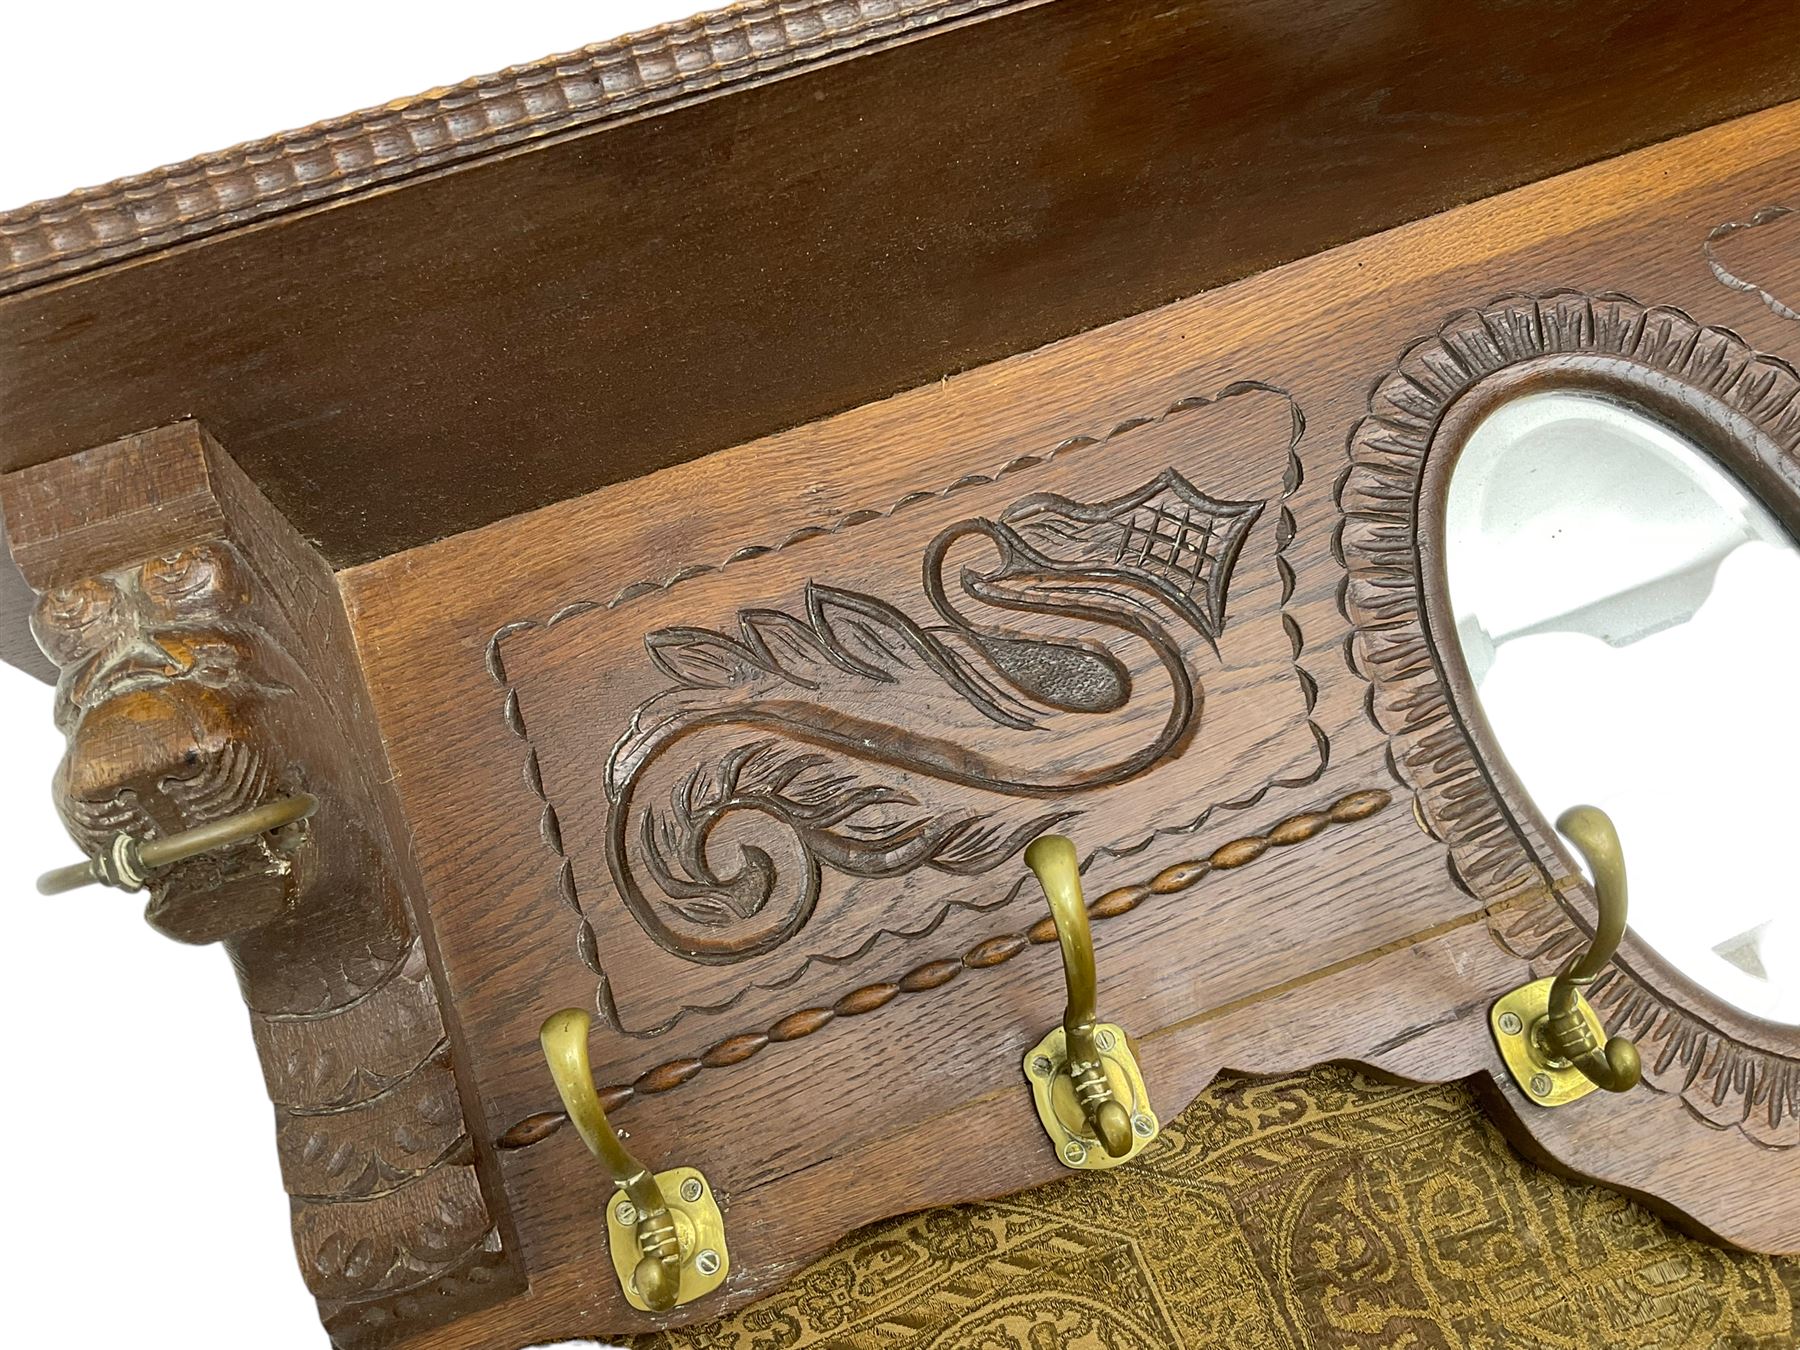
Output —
(990, 952)
(812, 745)
(1136, 566)
(1721, 1078)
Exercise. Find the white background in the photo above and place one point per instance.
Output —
(143, 1206)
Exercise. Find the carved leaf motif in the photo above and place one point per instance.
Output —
(361, 1248)
(786, 644)
(860, 696)
(860, 829)
(318, 1063)
(870, 636)
(702, 659)
(375, 1145)
(845, 631)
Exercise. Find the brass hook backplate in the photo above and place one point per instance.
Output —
(1084, 1076)
(1519, 1020)
(699, 1231)
(1059, 1108)
(1550, 1038)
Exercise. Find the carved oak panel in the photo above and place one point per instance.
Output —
(759, 776)
(741, 754)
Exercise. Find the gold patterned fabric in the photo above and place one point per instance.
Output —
(1315, 1212)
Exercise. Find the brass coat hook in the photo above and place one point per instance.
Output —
(665, 1231)
(1551, 1039)
(1084, 1076)
(128, 862)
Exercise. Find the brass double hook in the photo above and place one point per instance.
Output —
(1551, 1039)
(1084, 1076)
(665, 1232)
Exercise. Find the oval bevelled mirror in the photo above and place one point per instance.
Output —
(1622, 603)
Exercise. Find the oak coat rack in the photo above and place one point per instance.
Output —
(692, 510)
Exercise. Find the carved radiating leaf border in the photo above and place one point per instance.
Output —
(625, 77)
(1723, 1080)
(550, 825)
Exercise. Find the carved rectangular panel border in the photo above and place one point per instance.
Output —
(759, 775)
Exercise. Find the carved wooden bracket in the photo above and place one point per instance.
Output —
(206, 666)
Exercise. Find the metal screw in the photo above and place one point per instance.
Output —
(1510, 1023)
(625, 1212)
(1540, 1084)
(1142, 1125)
(1041, 1066)
(692, 1190)
(706, 1261)
(1074, 1151)
(1104, 1040)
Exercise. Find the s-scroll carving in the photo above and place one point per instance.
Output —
(1056, 613)
(823, 747)
(760, 773)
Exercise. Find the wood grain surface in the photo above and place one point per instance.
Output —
(863, 206)
(1332, 917)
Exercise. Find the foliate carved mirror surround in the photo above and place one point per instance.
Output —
(1729, 1069)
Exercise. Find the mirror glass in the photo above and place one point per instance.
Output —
(1628, 612)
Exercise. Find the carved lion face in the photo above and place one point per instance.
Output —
(170, 706)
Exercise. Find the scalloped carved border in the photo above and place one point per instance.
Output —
(1711, 1061)
(627, 76)
(550, 829)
